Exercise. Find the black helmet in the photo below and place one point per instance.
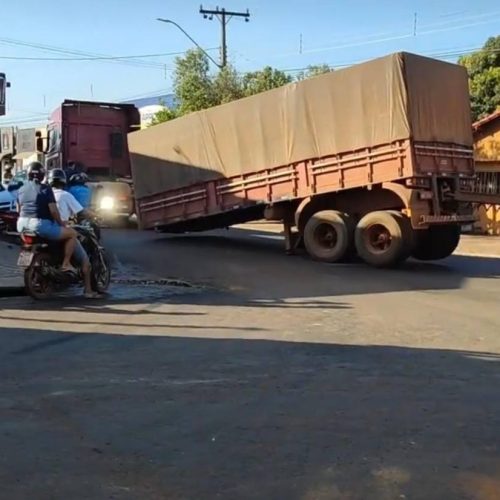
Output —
(57, 176)
(79, 179)
(36, 171)
(75, 167)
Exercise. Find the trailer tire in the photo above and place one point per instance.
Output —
(328, 236)
(436, 242)
(384, 239)
(408, 233)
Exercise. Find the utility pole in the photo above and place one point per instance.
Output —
(224, 16)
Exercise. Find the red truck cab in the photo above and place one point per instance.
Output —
(94, 134)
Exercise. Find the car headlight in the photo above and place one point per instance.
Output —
(107, 203)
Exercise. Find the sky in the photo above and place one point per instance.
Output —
(286, 34)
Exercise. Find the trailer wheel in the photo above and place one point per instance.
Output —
(384, 239)
(328, 236)
(408, 232)
(436, 242)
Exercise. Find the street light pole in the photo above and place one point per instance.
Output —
(169, 21)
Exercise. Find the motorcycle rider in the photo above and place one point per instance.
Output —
(74, 167)
(68, 208)
(83, 194)
(79, 189)
(38, 213)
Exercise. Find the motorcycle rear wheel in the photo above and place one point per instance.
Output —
(37, 283)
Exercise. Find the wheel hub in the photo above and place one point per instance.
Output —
(379, 238)
(326, 236)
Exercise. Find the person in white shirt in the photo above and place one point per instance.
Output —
(69, 208)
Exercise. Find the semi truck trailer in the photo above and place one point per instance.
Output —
(375, 160)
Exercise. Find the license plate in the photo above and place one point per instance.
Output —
(25, 259)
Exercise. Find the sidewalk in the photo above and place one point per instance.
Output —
(11, 278)
(479, 246)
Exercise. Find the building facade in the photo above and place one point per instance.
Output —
(487, 153)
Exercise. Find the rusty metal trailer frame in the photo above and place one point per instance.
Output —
(403, 167)
(408, 196)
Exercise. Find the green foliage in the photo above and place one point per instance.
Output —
(196, 89)
(485, 92)
(192, 83)
(227, 86)
(164, 115)
(266, 79)
(314, 70)
(483, 67)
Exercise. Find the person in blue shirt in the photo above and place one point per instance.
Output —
(38, 213)
(79, 189)
(74, 167)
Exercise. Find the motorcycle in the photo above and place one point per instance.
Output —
(41, 260)
(8, 222)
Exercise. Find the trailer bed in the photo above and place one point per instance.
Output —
(243, 198)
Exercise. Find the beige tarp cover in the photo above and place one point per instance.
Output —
(395, 97)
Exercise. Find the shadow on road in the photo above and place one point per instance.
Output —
(239, 267)
(251, 268)
(101, 321)
(155, 417)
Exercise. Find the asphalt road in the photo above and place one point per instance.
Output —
(273, 377)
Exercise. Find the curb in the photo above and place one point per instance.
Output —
(476, 254)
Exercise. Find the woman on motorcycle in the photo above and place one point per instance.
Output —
(38, 213)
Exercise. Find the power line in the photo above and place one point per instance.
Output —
(97, 58)
(60, 50)
(423, 29)
(54, 49)
(445, 55)
(398, 37)
(224, 16)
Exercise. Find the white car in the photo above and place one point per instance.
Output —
(7, 200)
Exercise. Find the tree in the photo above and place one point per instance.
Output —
(196, 89)
(193, 87)
(314, 70)
(192, 83)
(483, 67)
(266, 79)
(227, 85)
(164, 115)
(485, 92)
